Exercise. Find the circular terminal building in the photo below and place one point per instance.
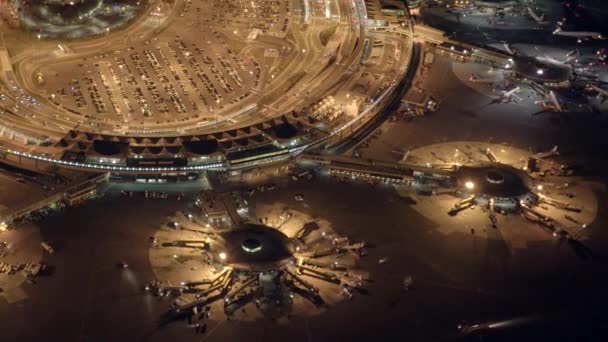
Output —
(253, 247)
(282, 268)
(192, 86)
(501, 186)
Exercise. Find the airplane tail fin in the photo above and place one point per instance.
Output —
(573, 53)
(554, 150)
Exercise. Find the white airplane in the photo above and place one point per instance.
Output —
(539, 19)
(572, 57)
(551, 59)
(602, 56)
(602, 94)
(507, 96)
(571, 53)
(542, 155)
(579, 35)
(476, 79)
(551, 103)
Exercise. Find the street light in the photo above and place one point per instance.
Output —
(469, 185)
(222, 256)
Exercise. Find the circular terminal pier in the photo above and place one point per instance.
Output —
(255, 247)
(495, 180)
(282, 267)
(541, 69)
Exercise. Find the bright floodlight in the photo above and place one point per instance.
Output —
(223, 256)
(539, 187)
(469, 185)
(540, 71)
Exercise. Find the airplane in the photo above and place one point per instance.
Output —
(602, 56)
(551, 103)
(507, 96)
(583, 76)
(572, 57)
(574, 52)
(580, 35)
(546, 154)
(554, 61)
(539, 19)
(478, 329)
(476, 79)
(602, 94)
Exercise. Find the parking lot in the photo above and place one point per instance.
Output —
(176, 77)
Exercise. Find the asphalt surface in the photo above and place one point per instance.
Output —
(546, 291)
(457, 276)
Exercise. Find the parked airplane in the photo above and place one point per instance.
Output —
(478, 329)
(602, 56)
(574, 52)
(570, 62)
(551, 103)
(572, 57)
(579, 35)
(602, 94)
(507, 96)
(546, 154)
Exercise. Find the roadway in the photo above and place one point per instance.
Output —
(394, 102)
